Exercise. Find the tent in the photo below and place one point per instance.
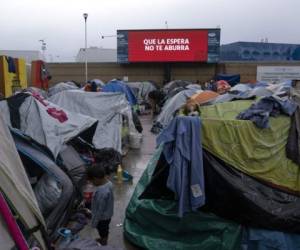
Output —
(231, 79)
(248, 181)
(62, 86)
(259, 153)
(16, 188)
(141, 89)
(154, 224)
(46, 123)
(107, 108)
(171, 106)
(37, 163)
(120, 87)
(175, 84)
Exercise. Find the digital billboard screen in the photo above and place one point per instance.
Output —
(197, 45)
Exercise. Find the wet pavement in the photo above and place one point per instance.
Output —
(135, 163)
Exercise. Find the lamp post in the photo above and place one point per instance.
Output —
(44, 47)
(85, 16)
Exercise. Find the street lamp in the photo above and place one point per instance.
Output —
(44, 47)
(85, 16)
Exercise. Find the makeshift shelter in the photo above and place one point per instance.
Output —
(45, 122)
(141, 90)
(107, 108)
(39, 165)
(257, 152)
(171, 106)
(175, 84)
(17, 191)
(62, 86)
(248, 179)
(120, 87)
(154, 224)
(231, 79)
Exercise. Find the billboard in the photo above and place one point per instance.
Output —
(189, 45)
(277, 73)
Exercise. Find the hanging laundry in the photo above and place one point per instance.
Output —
(11, 64)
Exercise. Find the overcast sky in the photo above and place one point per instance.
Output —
(61, 24)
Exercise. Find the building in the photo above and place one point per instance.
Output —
(95, 54)
(28, 55)
(260, 51)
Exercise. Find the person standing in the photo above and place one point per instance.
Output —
(102, 201)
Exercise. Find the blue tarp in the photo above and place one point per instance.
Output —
(119, 86)
(231, 79)
(260, 239)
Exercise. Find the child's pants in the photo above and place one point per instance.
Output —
(103, 228)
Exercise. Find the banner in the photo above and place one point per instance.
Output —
(199, 45)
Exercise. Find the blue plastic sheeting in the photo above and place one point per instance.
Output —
(260, 239)
(119, 86)
(231, 79)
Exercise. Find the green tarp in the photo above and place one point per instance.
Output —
(257, 152)
(154, 224)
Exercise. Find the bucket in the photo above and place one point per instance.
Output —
(135, 140)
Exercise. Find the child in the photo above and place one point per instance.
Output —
(102, 201)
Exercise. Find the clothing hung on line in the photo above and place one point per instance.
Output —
(183, 152)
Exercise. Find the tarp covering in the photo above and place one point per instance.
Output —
(120, 87)
(175, 84)
(172, 105)
(142, 89)
(62, 86)
(257, 152)
(57, 215)
(154, 224)
(50, 125)
(231, 79)
(234, 195)
(107, 108)
(15, 186)
(259, 239)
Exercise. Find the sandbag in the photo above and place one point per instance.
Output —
(47, 192)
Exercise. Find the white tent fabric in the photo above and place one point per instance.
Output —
(107, 108)
(62, 86)
(144, 88)
(37, 123)
(15, 186)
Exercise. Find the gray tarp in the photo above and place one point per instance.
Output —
(172, 105)
(44, 128)
(14, 184)
(62, 86)
(144, 88)
(57, 215)
(107, 108)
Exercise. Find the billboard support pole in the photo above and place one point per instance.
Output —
(167, 72)
(85, 16)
